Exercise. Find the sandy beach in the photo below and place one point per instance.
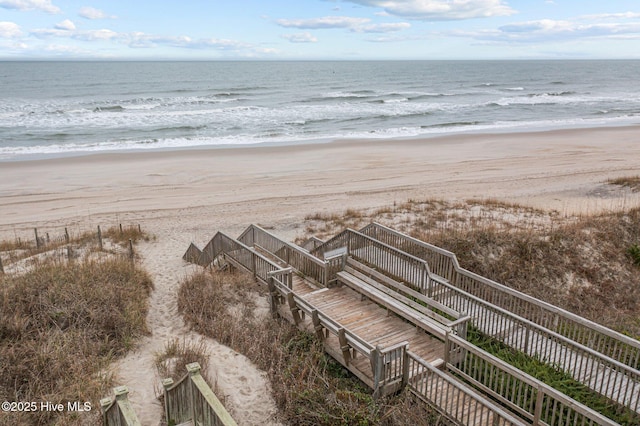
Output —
(184, 196)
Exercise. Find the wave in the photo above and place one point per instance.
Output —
(114, 108)
(563, 93)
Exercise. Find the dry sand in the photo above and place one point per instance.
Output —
(185, 196)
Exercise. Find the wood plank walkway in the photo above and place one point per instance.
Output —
(368, 320)
(394, 336)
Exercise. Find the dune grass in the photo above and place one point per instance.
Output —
(631, 182)
(61, 324)
(309, 387)
(585, 264)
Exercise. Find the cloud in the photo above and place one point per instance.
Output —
(28, 5)
(301, 38)
(357, 25)
(326, 22)
(93, 13)
(385, 28)
(440, 10)
(9, 30)
(622, 26)
(65, 25)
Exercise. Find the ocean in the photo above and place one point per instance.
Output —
(72, 108)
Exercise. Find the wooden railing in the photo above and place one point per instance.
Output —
(522, 393)
(300, 259)
(193, 255)
(605, 375)
(393, 367)
(324, 326)
(602, 374)
(239, 254)
(443, 263)
(117, 411)
(191, 399)
(408, 268)
(453, 398)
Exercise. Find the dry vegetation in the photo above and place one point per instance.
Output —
(62, 321)
(588, 265)
(309, 387)
(631, 182)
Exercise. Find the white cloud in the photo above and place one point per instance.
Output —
(385, 28)
(326, 22)
(28, 5)
(622, 26)
(9, 30)
(92, 35)
(301, 38)
(65, 25)
(93, 13)
(440, 10)
(359, 25)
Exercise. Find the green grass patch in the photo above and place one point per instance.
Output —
(554, 377)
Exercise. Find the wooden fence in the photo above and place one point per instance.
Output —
(443, 263)
(527, 396)
(191, 399)
(117, 411)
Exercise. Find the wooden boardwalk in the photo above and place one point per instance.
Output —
(369, 321)
(387, 318)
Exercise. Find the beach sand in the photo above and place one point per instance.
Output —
(186, 196)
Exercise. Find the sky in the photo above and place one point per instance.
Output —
(319, 29)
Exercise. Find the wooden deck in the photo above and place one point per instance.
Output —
(387, 318)
(372, 323)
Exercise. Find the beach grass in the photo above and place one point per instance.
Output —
(631, 182)
(61, 324)
(309, 387)
(587, 264)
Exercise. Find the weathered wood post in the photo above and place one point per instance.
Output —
(378, 370)
(405, 366)
(167, 384)
(537, 413)
(317, 325)
(121, 229)
(139, 229)
(66, 235)
(1, 267)
(131, 254)
(273, 302)
(99, 237)
(194, 370)
(35, 230)
(48, 239)
(69, 252)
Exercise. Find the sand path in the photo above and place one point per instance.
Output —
(244, 387)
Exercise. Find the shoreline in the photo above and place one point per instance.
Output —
(553, 170)
(303, 143)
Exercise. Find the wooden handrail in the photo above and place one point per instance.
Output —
(575, 320)
(191, 399)
(423, 380)
(117, 411)
(515, 374)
